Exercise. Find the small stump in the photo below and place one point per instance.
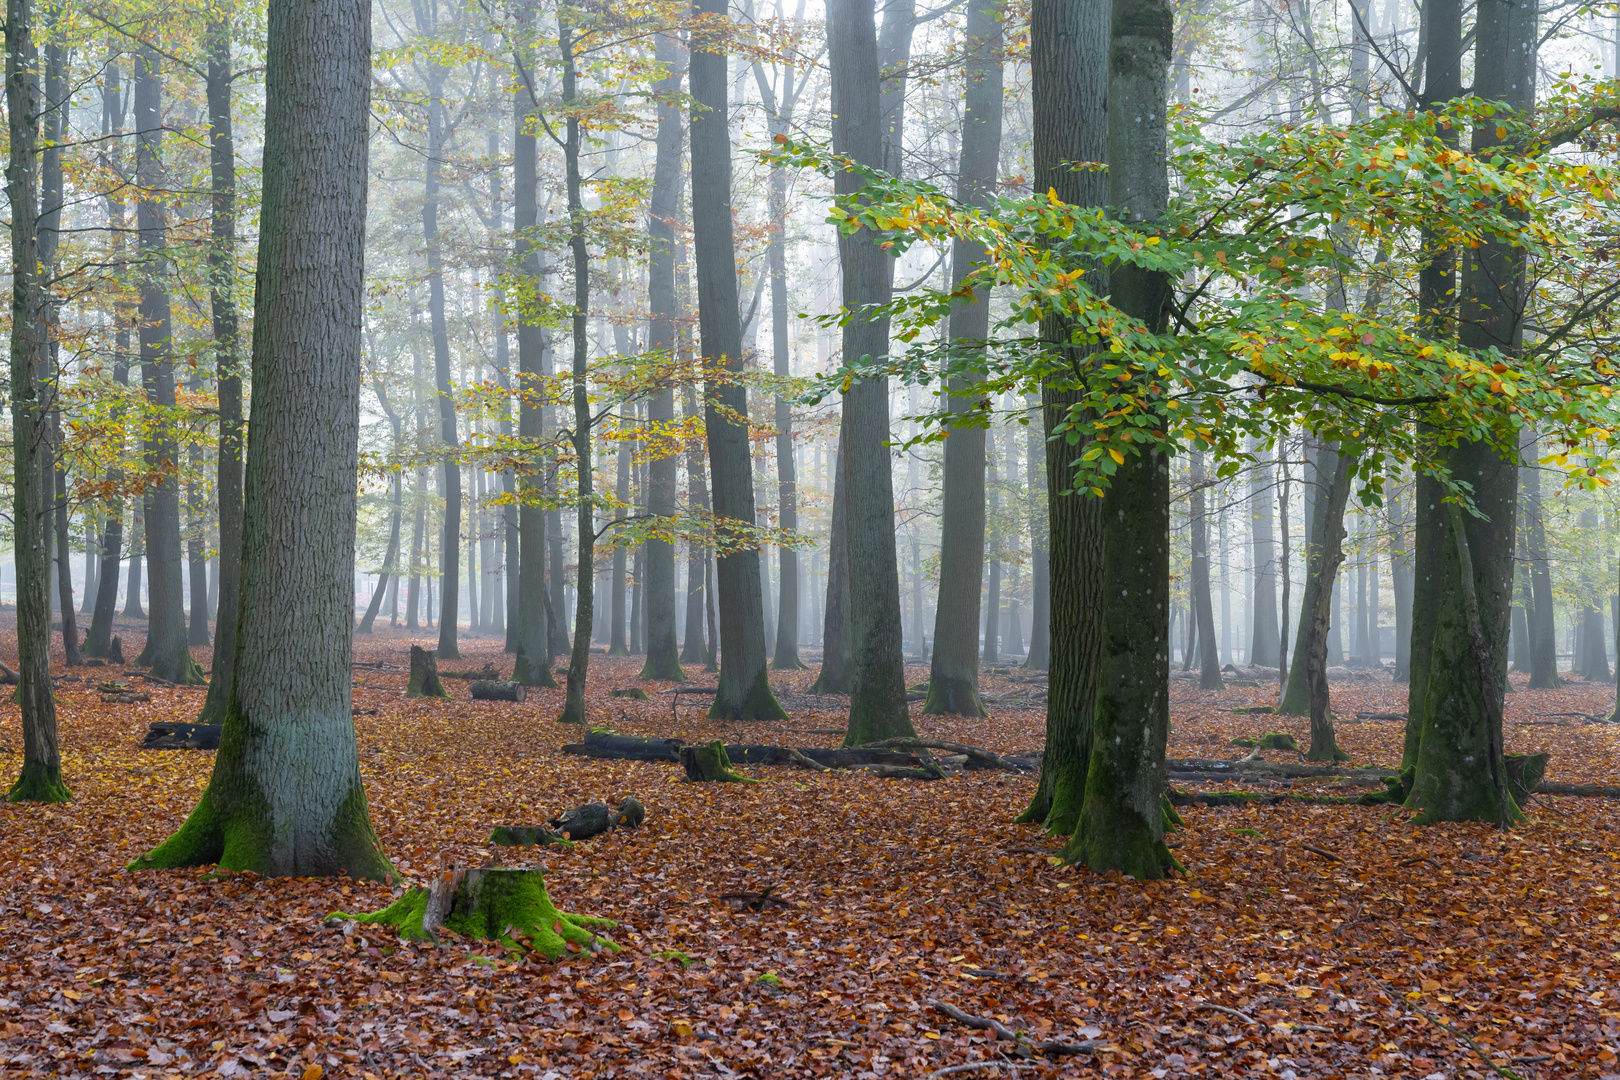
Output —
(711, 763)
(485, 690)
(115, 650)
(507, 906)
(424, 675)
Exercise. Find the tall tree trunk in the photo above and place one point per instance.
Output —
(780, 102)
(663, 661)
(1459, 760)
(744, 686)
(1209, 657)
(533, 664)
(197, 535)
(1122, 822)
(450, 466)
(50, 223)
(1322, 560)
(166, 649)
(1264, 638)
(41, 777)
(133, 608)
(113, 106)
(836, 654)
(694, 647)
(286, 797)
(1069, 84)
(390, 567)
(877, 706)
(1040, 615)
(618, 643)
(1400, 573)
(584, 612)
(992, 596)
(227, 369)
(1543, 640)
(953, 674)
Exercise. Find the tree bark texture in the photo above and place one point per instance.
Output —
(166, 650)
(1123, 819)
(228, 373)
(953, 676)
(1543, 639)
(1209, 656)
(1264, 638)
(41, 777)
(744, 686)
(1323, 559)
(1069, 68)
(285, 798)
(877, 707)
(663, 659)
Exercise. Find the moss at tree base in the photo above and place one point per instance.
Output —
(710, 763)
(37, 783)
(758, 703)
(1114, 837)
(666, 670)
(507, 906)
(953, 696)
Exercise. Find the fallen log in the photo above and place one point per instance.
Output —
(1259, 768)
(599, 744)
(174, 735)
(499, 691)
(487, 673)
(580, 823)
(977, 756)
(1601, 791)
(1381, 716)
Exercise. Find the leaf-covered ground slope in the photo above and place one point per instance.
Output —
(1267, 959)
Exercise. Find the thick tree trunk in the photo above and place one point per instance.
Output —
(663, 660)
(1069, 83)
(991, 632)
(877, 707)
(1040, 615)
(166, 649)
(286, 797)
(1431, 536)
(1123, 820)
(1209, 657)
(834, 676)
(1459, 758)
(41, 777)
(694, 645)
(744, 686)
(953, 676)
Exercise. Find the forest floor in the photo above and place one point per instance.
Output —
(1267, 958)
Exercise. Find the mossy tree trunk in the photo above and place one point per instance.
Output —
(41, 778)
(744, 683)
(1069, 64)
(285, 798)
(1123, 819)
(423, 680)
(508, 906)
(709, 762)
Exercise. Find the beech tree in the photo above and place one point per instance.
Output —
(286, 798)
(41, 778)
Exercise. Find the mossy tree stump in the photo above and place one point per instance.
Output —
(710, 762)
(508, 906)
(424, 680)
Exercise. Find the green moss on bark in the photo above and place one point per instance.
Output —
(663, 669)
(953, 696)
(710, 762)
(507, 906)
(759, 703)
(39, 783)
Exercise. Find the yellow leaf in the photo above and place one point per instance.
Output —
(681, 1029)
(314, 1072)
(1119, 458)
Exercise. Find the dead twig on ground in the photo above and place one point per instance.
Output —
(1050, 1047)
(1210, 1006)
